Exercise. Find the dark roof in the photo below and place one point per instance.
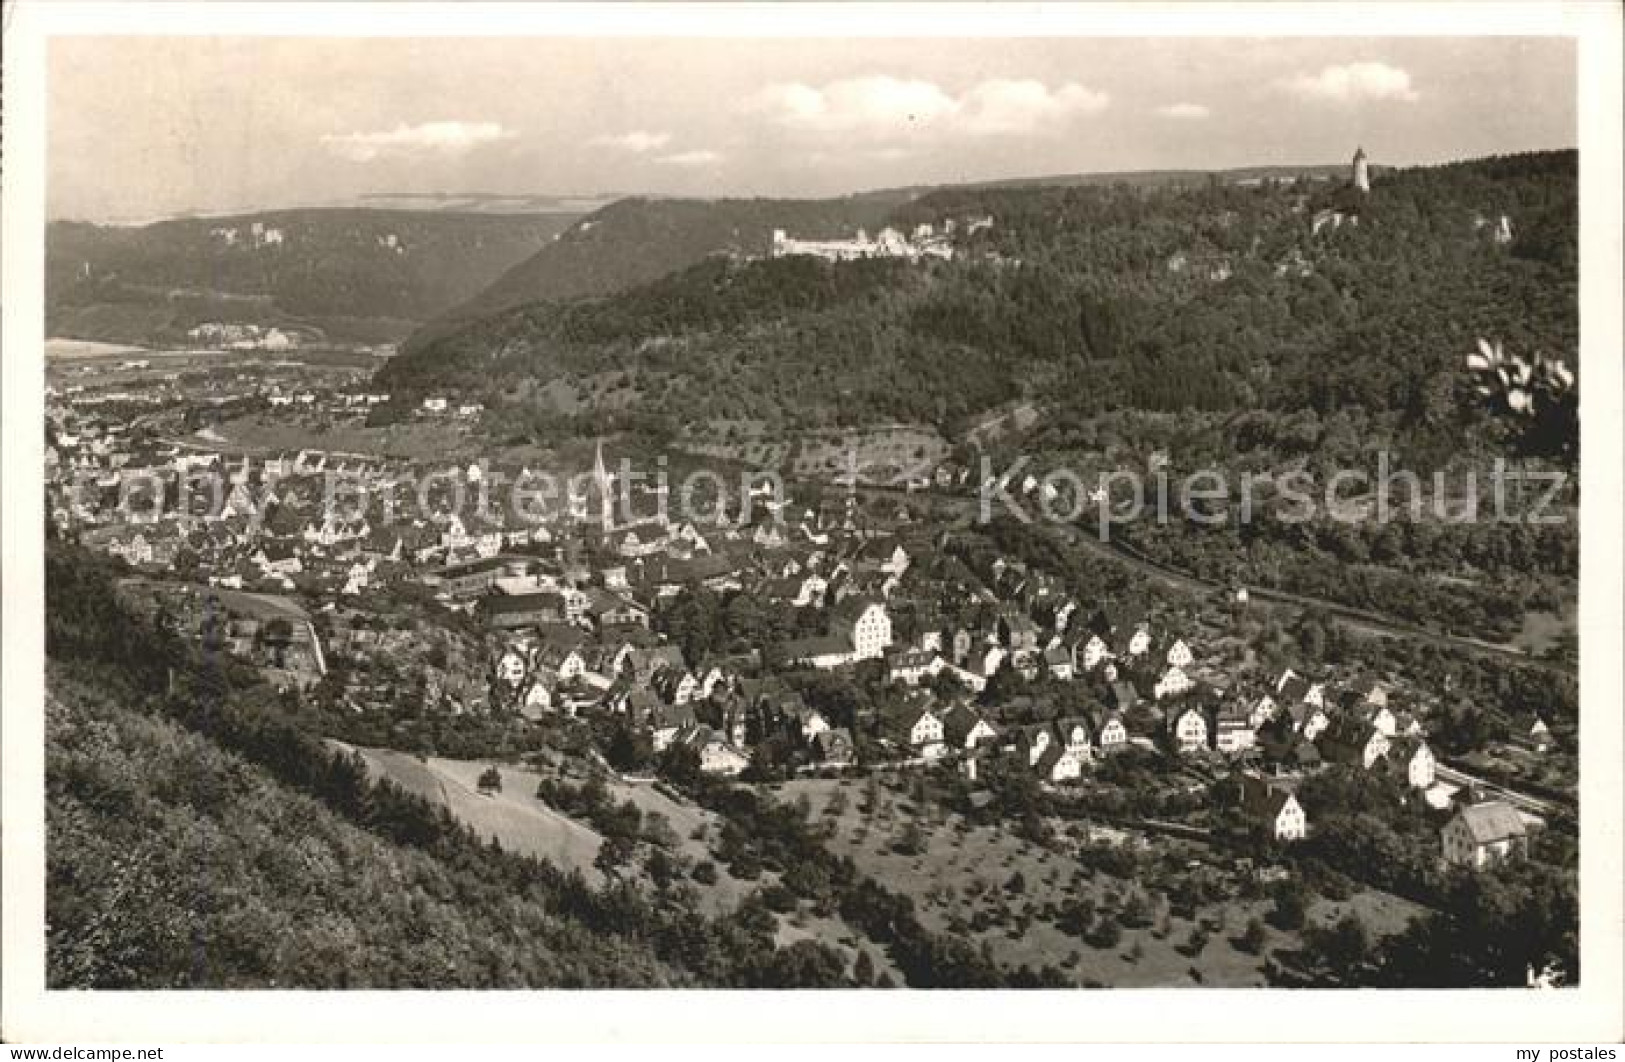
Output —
(507, 604)
(803, 648)
(851, 608)
(487, 564)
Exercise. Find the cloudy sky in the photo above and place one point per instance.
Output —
(144, 127)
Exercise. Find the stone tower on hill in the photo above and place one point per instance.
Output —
(1361, 172)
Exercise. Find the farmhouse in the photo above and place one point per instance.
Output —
(1271, 802)
(1484, 834)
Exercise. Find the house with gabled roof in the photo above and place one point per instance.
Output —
(666, 721)
(1412, 756)
(717, 756)
(1484, 834)
(1090, 652)
(1077, 734)
(1058, 662)
(675, 685)
(1349, 740)
(1531, 731)
(1272, 803)
(647, 660)
(925, 734)
(1188, 729)
(834, 747)
(1111, 734)
(913, 667)
(1308, 720)
(964, 727)
(1057, 763)
(1291, 688)
(864, 624)
(1017, 631)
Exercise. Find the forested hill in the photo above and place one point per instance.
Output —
(639, 239)
(636, 240)
(1081, 299)
(347, 273)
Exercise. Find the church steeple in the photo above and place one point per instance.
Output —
(605, 484)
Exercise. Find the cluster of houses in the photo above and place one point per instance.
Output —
(571, 610)
(336, 403)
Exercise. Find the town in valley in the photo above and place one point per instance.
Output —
(832, 659)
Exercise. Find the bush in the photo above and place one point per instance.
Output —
(1104, 934)
(1290, 907)
(705, 873)
(1251, 940)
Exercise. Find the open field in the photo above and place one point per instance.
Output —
(513, 815)
(522, 823)
(57, 347)
(1004, 893)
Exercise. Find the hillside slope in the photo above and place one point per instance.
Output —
(348, 273)
(175, 864)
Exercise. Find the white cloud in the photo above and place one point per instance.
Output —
(700, 157)
(1352, 82)
(882, 105)
(428, 138)
(1024, 106)
(1188, 112)
(636, 141)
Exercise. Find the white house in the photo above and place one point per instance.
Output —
(925, 734)
(1286, 818)
(1272, 803)
(1179, 654)
(1190, 730)
(1093, 652)
(1058, 764)
(865, 624)
(1484, 834)
(1113, 734)
(1420, 766)
(1074, 735)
